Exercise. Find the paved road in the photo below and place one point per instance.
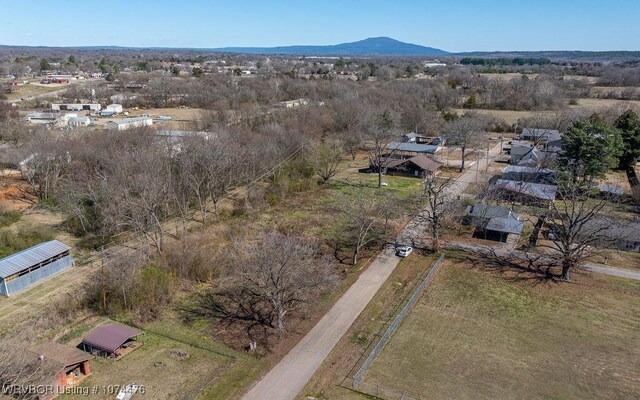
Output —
(504, 251)
(291, 374)
(613, 271)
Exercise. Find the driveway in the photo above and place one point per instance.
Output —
(292, 373)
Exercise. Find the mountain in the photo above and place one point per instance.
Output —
(379, 46)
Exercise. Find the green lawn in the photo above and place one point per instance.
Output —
(478, 335)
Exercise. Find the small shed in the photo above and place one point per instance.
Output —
(27, 267)
(68, 366)
(111, 340)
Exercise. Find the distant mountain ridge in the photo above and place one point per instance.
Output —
(378, 46)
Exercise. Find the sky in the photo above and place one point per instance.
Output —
(451, 25)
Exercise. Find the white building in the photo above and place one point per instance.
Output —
(76, 107)
(117, 108)
(128, 123)
(79, 121)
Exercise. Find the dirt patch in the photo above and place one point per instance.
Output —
(13, 192)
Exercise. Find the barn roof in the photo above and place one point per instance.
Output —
(110, 337)
(32, 256)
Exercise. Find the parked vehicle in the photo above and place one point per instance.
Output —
(404, 251)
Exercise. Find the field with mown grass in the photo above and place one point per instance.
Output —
(477, 334)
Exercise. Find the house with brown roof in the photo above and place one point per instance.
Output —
(419, 166)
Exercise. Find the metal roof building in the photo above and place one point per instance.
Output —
(27, 267)
(413, 147)
(108, 339)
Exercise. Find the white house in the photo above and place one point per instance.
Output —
(128, 123)
(76, 107)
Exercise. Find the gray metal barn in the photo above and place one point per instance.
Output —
(27, 267)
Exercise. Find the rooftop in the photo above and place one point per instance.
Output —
(65, 355)
(125, 121)
(24, 259)
(110, 337)
(413, 147)
(537, 190)
(487, 211)
(506, 225)
(518, 169)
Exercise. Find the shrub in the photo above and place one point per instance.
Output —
(25, 237)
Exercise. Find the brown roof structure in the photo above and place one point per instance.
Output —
(426, 163)
(60, 353)
(422, 161)
(110, 337)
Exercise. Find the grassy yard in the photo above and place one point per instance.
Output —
(476, 334)
(33, 90)
(160, 365)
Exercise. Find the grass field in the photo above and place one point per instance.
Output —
(157, 367)
(33, 90)
(477, 335)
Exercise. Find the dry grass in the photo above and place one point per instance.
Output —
(477, 334)
(155, 367)
(34, 90)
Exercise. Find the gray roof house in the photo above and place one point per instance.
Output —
(541, 135)
(415, 148)
(521, 173)
(27, 267)
(526, 191)
(494, 222)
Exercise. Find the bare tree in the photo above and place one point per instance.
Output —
(578, 223)
(465, 132)
(325, 158)
(378, 131)
(23, 374)
(436, 191)
(364, 215)
(271, 278)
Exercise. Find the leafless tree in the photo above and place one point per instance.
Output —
(325, 158)
(379, 131)
(364, 215)
(22, 373)
(437, 193)
(465, 132)
(271, 278)
(578, 222)
(208, 168)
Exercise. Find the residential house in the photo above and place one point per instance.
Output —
(419, 166)
(525, 191)
(520, 173)
(496, 223)
(540, 135)
(413, 148)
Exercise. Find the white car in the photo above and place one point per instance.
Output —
(403, 251)
(127, 392)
